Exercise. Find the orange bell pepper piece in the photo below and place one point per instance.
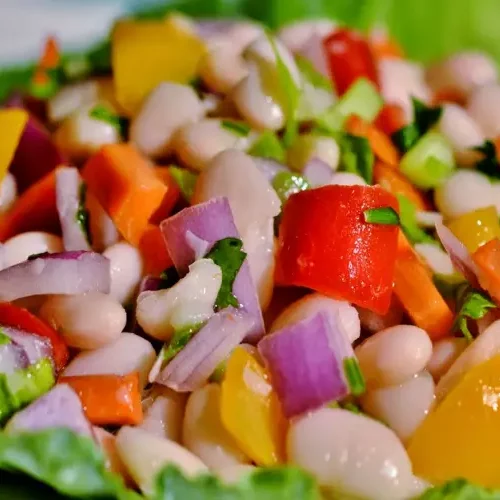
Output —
(487, 260)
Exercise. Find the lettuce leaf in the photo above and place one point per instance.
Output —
(459, 489)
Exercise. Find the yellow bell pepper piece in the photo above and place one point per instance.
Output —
(12, 123)
(250, 410)
(461, 438)
(476, 228)
(146, 53)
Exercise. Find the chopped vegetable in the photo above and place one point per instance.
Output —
(238, 128)
(104, 114)
(390, 118)
(408, 221)
(34, 348)
(459, 489)
(487, 261)
(179, 341)
(312, 75)
(287, 183)
(489, 164)
(4, 339)
(357, 156)
(112, 177)
(382, 215)
(108, 399)
(51, 56)
(267, 145)
(185, 180)
(153, 250)
(337, 253)
(355, 379)
(172, 196)
(12, 124)
(317, 172)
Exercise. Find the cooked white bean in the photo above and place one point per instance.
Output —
(169, 107)
(347, 179)
(145, 454)
(314, 303)
(483, 348)
(484, 106)
(129, 353)
(309, 146)
(204, 434)
(436, 258)
(295, 35)
(402, 407)
(20, 247)
(462, 72)
(8, 192)
(260, 245)
(350, 454)
(374, 322)
(428, 219)
(87, 321)
(314, 101)
(188, 302)
(244, 33)
(444, 354)
(126, 270)
(102, 228)
(164, 414)
(235, 473)
(464, 191)
(234, 174)
(107, 441)
(462, 132)
(394, 355)
(198, 143)
(222, 67)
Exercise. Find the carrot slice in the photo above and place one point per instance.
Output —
(390, 119)
(417, 293)
(51, 56)
(393, 181)
(154, 251)
(108, 399)
(487, 260)
(126, 186)
(381, 144)
(171, 196)
(34, 210)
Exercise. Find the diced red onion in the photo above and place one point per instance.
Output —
(57, 273)
(270, 168)
(212, 221)
(209, 28)
(68, 186)
(317, 172)
(192, 367)
(34, 346)
(314, 52)
(60, 407)
(200, 247)
(12, 357)
(459, 255)
(150, 284)
(306, 362)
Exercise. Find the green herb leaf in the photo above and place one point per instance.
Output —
(311, 75)
(185, 179)
(229, 256)
(357, 156)
(104, 114)
(287, 183)
(179, 340)
(4, 340)
(489, 164)
(354, 376)
(408, 221)
(383, 215)
(459, 489)
(238, 128)
(82, 214)
(268, 145)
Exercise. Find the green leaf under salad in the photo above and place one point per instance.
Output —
(459, 489)
(489, 164)
(357, 156)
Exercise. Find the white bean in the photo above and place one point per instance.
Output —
(295, 35)
(374, 322)
(168, 107)
(314, 101)
(234, 174)
(145, 454)
(462, 73)
(347, 179)
(204, 434)
(129, 353)
(165, 412)
(350, 454)
(464, 191)
(402, 407)
(436, 258)
(87, 321)
(483, 348)
(126, 270)
(428, 219)
(198, 143)
(102, 228)
(394, 355)
(314, 303)
(309, 146)
(444, 354)
(235, 473)
(244, 33)
(484, 106)
(462, 132)
(18, 248)
(8, 192)
(211, 103)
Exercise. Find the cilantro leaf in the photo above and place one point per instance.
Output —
(489, 164)
(408, 221)
(357, 156)
(104, 114)
(287, 183)
(268, 145)
(228, 255)
(82, 214)
(424, 119)
(185, 179)
(459, 489)
(237, 128)
(179, 340)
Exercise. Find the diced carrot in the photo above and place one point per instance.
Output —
(386, 47)
(390, 119)
(51, 56)
(126, 186)
(108, 399)
(154, 251)
(487, 260)
(34, 210)
(381, 144)
(449, 95)
(417, 293)
(396, 183)
(171, 196)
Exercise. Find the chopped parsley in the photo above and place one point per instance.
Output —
(383, 215)
(82, 215)
(237, 128)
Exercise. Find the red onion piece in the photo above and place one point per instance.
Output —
(60, 407)
(57, 273)
(12, 357)
(200, 247)
(211, 221)
(459, 255)
(209, 28)
(150, 284)
(314, 52)
(192, 367)
(68, 187)
(34, 346)
(306, 362)
(269, 167)
(317, 172)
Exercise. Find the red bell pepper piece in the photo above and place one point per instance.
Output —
(349, 57)
(22, 319)
(325, 244)
(390, 119)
